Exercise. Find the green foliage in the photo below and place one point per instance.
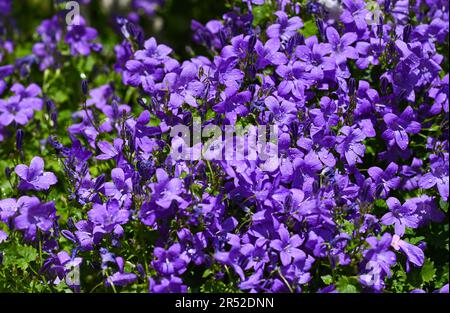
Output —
(309, 29)
(428, 271)
(262, 14)
(347, 285)
(20, 256)
(327, 279)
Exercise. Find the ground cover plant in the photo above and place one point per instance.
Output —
(106, 187)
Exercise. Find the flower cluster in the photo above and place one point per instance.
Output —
(355, 200)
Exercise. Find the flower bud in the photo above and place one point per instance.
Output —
(49, 106)
(320, 27)
(131, 28)
(69, 235)
(84, 86)
(384, 85)
(99, 182)
(70, 223)
(8, 172)
(140, 270)
(54, 118)
(380, 27)
(290, 44)
(19, 139)
(115, 108)
(143, 103)
(352, 86)
(251, 43)
(407, 32)
(387, 5)
(222, 38)
(24, 70)
(140, 39)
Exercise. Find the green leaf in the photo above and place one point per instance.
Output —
(381, 203)
(207, 273)
(60, 97)
(428, 271)
(348, 227)
(309, 29)
(210, 114)
(20, 256)
(90, 62)
(347, 285)
(444, 205)
(415, 240)
(327, 279)
(261, 14)
(370, 150)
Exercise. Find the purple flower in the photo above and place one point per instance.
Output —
(46, 51)
(109, 216)
(341, 46)
(233, 105)
(193, 245)
(13, 110)
(439, 175)
(269, 222)
(306, 170)
(254, 282)
(439, 93)
(349, 144)
(166, 190)
(385, 180)
(269, 54)
(354, 15)
(6, 70)
(315, 56)
(285, 27)
(398, 127)
(184, 87)
(377, 262)
(9, 207)
(153, 54)
(369, 52)
(208, 34)
(169, 261)
(20, 107)
(239, 48)
(123, 53)
(88, 234)
(59, 265)
(400, 216)
(80, 38)
(120, 187)
(281, 110)
(148, 6)
(120, 278)
(3, 237)
(34, 215)
(166, 285)
(34, 177)
(287, 246)
(256, 255)
(414, 254)
(109, 151)
(149, 66)
(427, 210)
(5, 7)
(444, 289)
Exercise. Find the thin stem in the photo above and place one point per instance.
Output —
(285, 280)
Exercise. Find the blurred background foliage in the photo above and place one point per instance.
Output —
(171, 24)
